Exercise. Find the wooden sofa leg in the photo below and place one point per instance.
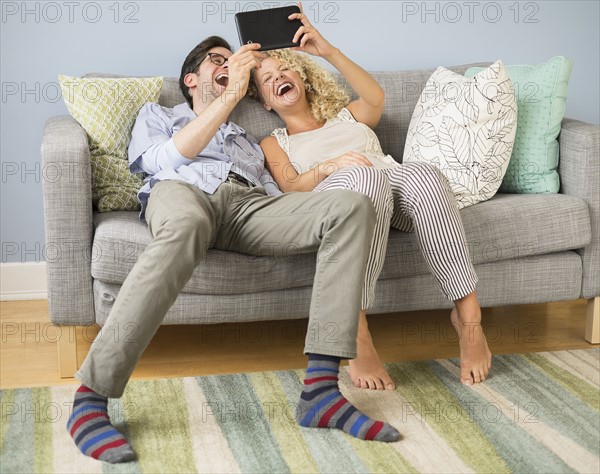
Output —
(592, 326)
(67, 352)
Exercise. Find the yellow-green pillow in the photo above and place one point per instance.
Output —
(107, 108)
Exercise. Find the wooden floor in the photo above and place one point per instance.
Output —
(28, 341)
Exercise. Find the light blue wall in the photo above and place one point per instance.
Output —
(40, 40)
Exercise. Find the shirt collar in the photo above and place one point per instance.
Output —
(184, 110)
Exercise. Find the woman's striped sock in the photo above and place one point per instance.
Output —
(91, 430)
(323, 406)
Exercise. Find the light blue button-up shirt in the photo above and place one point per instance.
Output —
(153, 152)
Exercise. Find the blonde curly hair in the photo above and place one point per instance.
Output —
(324, 93)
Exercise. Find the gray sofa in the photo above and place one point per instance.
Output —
(526, 248)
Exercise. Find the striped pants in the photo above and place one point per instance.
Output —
(413, 197)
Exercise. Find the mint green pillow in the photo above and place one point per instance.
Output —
(541, 98)
(107, 108)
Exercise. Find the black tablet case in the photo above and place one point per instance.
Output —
(270, 27)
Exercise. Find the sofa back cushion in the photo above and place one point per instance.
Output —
(402, 89)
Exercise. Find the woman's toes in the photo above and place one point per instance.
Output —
(465, 376)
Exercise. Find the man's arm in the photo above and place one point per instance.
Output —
(151, 148)
(194, 137)
(154, 148)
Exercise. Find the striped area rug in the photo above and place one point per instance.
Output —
(537, 413)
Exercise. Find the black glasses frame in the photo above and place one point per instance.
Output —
(215, 58)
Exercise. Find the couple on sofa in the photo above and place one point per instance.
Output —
(212, 186)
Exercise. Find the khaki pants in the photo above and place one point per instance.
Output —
(185, 222)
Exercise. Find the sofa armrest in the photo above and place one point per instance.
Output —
(68, 223)
(579, 169)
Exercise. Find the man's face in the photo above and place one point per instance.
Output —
(210, 79)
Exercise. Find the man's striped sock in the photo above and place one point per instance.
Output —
(323, 406)
(91, 430)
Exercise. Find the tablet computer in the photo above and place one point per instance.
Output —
(270, 27)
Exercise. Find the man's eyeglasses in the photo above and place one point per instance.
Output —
(215, 58)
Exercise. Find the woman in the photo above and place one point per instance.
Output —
(329, 143)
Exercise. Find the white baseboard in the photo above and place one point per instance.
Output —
(23, 281)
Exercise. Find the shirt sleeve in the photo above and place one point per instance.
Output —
(152, 148)
(265, 177)
(269, 183)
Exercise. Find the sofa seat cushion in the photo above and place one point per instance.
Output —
(507, 226)
(120, 238)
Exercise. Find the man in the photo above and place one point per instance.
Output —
(208, 188)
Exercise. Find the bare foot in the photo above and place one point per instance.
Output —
(367, 371)
(475, 356)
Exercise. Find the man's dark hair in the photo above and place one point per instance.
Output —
(197, 55)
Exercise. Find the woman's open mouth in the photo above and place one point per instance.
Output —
(284, 88)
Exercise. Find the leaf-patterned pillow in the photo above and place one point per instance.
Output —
(107, 108)
(465, 127)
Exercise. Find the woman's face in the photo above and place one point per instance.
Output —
(279, 87)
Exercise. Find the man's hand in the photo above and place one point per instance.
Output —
(240, 66)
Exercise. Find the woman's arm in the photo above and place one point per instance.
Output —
(282, 170)
(288, 179)
(368, 108)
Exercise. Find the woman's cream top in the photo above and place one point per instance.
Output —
(339, 135)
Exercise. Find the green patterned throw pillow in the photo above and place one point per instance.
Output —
(107, 108)
(541, 100)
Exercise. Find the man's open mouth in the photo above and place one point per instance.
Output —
(222, 79)
(284, 88)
